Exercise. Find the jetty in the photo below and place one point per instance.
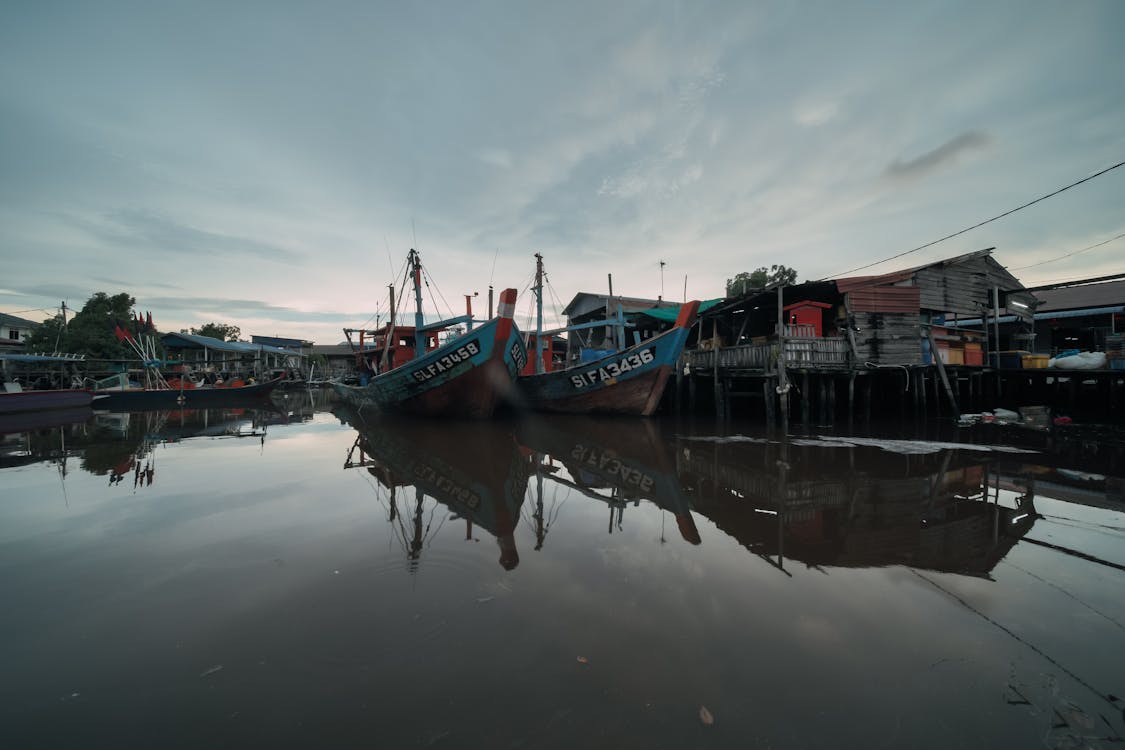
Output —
(947, 338)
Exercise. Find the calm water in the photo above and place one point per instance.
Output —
(239, 578)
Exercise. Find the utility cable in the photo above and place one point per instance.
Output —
(979, 224)
(1068, 255)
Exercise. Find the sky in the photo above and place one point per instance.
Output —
(269, 164)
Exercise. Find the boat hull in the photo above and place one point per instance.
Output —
(464, 378)
(631, 381)
(28, 401)
(124, 400)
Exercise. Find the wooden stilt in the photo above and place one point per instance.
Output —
(806, 395)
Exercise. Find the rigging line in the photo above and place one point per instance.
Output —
(964, 603)
(1063, 591)
(492, 276)
(1076, 252)
(432, 286)
(980, 224)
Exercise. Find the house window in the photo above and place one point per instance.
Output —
(13, 334)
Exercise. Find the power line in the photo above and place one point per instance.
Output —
(981, 224)
(1076, 252)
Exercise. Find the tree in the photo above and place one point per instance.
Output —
(760, 278)
(220, 331)
(90, 332)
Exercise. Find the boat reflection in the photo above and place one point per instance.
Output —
(120, 444)
(475, 472)
(827, 504)
(615, 461)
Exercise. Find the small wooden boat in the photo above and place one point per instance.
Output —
(629, 381)
(124, 398)
(16, 400)
(467, 376)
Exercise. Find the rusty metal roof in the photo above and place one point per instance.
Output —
(885, 299)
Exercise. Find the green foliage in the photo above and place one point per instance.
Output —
(90, 332)
(760, 278)
(220, 331)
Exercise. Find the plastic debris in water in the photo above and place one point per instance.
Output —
(212, 670)
(705, 716)
(583, 660)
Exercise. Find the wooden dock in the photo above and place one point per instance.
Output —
(818, 381)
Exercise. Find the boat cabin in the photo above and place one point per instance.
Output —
(396, 341)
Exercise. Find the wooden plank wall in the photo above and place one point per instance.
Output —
(888, 338)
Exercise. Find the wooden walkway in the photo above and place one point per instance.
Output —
(820, 384)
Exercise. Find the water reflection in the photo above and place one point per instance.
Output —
(477, 475)
(817, 503)
(121, 445)
(861, 506)
(616, 462)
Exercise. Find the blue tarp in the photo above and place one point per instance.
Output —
(669, 314)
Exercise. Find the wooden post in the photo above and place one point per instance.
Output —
(831, 399)
(782, 382)
(806, 394)
(851, 397)
(679, 394)
(944, 377)
(767, 398)
(822, 394)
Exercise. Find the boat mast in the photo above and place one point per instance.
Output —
(538, 314)
(419, 335)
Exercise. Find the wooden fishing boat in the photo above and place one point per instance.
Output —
(467, 376)
(628, 381)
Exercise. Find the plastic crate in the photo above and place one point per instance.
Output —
(1034, 361)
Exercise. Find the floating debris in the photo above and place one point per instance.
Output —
(583, 660)
(705, 716)
(211, 670)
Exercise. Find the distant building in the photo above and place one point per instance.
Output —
(587, 307)
(14, 332)
(293, 345)
(1075, 315)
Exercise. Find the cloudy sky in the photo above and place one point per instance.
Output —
(269, 164)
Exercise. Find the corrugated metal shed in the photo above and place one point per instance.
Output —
(585, 303)
(1108, 294)
(962, 284)
(885, 299)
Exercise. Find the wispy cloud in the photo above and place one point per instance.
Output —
(155, 233)
(931, 161)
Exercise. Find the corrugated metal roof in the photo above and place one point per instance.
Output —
(585, 303)
(1045, 315)
(669, 314)
(192, 341)
(906, 274)
(885, 299)
(12, 320)
(1077, 297)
